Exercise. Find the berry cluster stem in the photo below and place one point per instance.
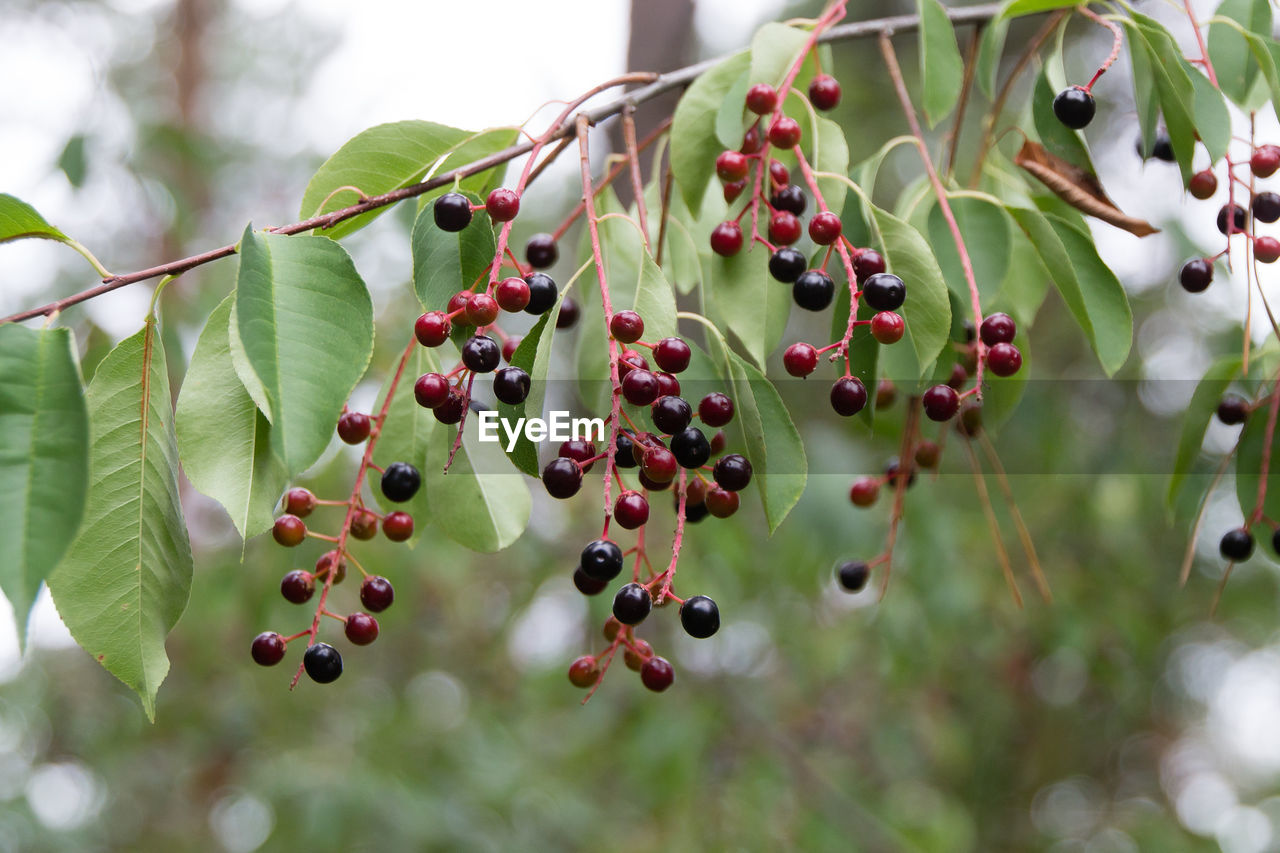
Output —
(1204, 50)
(1118, 42)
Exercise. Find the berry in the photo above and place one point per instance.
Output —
(941, 402)
(361, 628)
(825, 228)
(626, 327)
(1196, 274)
(452, 212)
(824, 92)
(668, 385)
(762, 99)
(751, 141)
(630, 510)
(1275, 541)
(601, 560)
(1266, 207)
(1004, 359)
(695, 491)
(511, 385)
(398, 526)
(657, 674)
(786, 265)
(886, 393)
(376, 593)
(864, 492)
(431, 390)
(868, 263)
(848, 396)
(1161, 148)
(732, 473)
(542, 293)
(1203, 184)
(959, 376)
(450, 411)
(1236, 212)
(800, 359)
(481, 354)
(299, 502)
(624, 452)
(323, 663)
(693, 513)
(268, 648)
(364, 525)
(502, 205)
(779, 174)
(482, 310)
(1074, 107)
(632, 604)
(784, 228)
(659, 465)
(641, 445)
(718, 441)
(353, 427)
(583, 672)
(671, 414)
(1233, 409)
(997, 329)
(970, 423)
(1266, 249)
(789, 198)
(1236, 545)
(927, 454)
(297, 586)
(432, 329)
(562, 478)
(512, 294)
(640, 387)
(587, 585)
(327, 560)
(813, 290)
(568, 315)
(732, 166)
(289, 530)
(726, 239)
(400, 482)
(1265, 160)
(699, 617)
(784, 133)
(887, 327)
(891, 473)
(733, 190)
(635, 657)
(631, 360)
(672, 355)
(721, 502)
(715, 409)
(457, 306)
(690, 447)
(884, 291)
(853, 575)
(541, 252)
(579, 451)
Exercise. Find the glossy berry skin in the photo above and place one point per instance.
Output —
(640, 387)
(502, 205)
(825, 228)
(715, 409)
(450, 411)
(657, 674)
(691, 448)
(1233, 409)
(668, 385)
(376, 593)
(1236, 214)
(726, 239)
(579, 451)
(1203, 184)
(431, 390)
(941, 402)
(1265, 160)
(752, 142)
(733, 190)
(326, 562)
(800, 359)
(632, 604)
(721, 502)
(542, 293)
(824, 92)
(853, 575)
(323, 663)
(779, 174)
(562, 478)
(583, 672)
(511, 294)
(601, 560)
(364, 525)
(732, 472)
(762, 99)
(299, 502)
(630, 510)
(1196, 275)
(672, 355)
(699, 617)
(398, 526)
(297, 586)
(998, 329)
(400, 482)
(631, 360)
(361, 628)
(863, 493)
(848, 396)
(1074, 107)
(452, 212)
(784, 133)
(457, 306)
(718, 442)
(511, 385)
(635, 658)
(813, 290)
(887, 327)
(482, 310)
(289, 530)
(789, 198)
(732, 166)
(1236, 545)
(671, 414)
(786, 265)
(541, 252)
(1266, 249)
(268, 649)
(784, 228)
(353, 427)
(1004, 359)
(569, 312)
(587, 585)
(659, 465)
(626, 327)
(884, 291)
(868, 263)
(481, 354)
(1266, 207)
(432, 329)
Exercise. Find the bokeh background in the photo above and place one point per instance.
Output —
(1119, 718)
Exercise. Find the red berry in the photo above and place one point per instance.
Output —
(715, 409)
(1266, 249)
(941, 402)
(1265, 160)
(1203, 184)
(886, 393)
(376, 593)
(289, 530)
(562, 478)
(726, 239)
(509, 347)
(784, 133)
(751, 141)
(762, 99)
(800, 359)
(640, 387)
(864, 492)
(784, 228)
(361, 629)
(299, 502)
(867, 263)
(398, 526)
(733, 190)
(721, 502)
(353, 427)
(1004, 359)
(848, 396)
(297, 586)
(887, 327)
(660, 464)
(779, 173)
(825, 228)
(326, 561)
(824, 92)
(364, 524)
(629, 361)
(432, 329)
(512, 294)
(997, 329)
(268, 649)
(583, 672)
(657, 674)
(502, 204)
(927, 454)
(635, 658)
(668, 385)
(672, 355)
(579, 451)
(732, 166)
(626, 327)
(457, 306)
(631, 510)
(431, 390)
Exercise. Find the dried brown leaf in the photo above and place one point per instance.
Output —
(1078, 188)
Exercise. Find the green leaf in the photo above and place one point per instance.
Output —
(830, 153)
(44, 458)
(1173, 85)
(655, 301)
(941, 68)
(1026, 282)
(985, 228)
(385, 158)
(1145, 97)
(1249, 454)
(534, 357)
(1018, 8)
(864, 350)
(445, 262)
(1236, 68)
(774, 49)
(1213, 120)
(125, 579)
(990, 49)
(694, 146)
(773, 442)
(1056, 136)
(748, 302)
(732, 119)
(304, 324)
(1203, 406)
(472, 504)
(19, 220)
(406, 433)
(224, 441)
(72, 161)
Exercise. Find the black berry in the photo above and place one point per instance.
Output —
(400, 482)
(853, 575)
(732, 472)
(691, 448)
(671, 414)
(790, 198)
(1237, 215)
(562, 478)
(700, 617)
(542, 293)
(601, 560)
(813, 290)
(452, 212)
(1074, 107)
(511, 385)
(1233, 409)
(541, 253)
(481, 353)
(787, 264)
(632, 604)
(1196, 275)
(1236, 545)
(848, 396)
(884, 292)
(1266, 207)
(323, 663)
